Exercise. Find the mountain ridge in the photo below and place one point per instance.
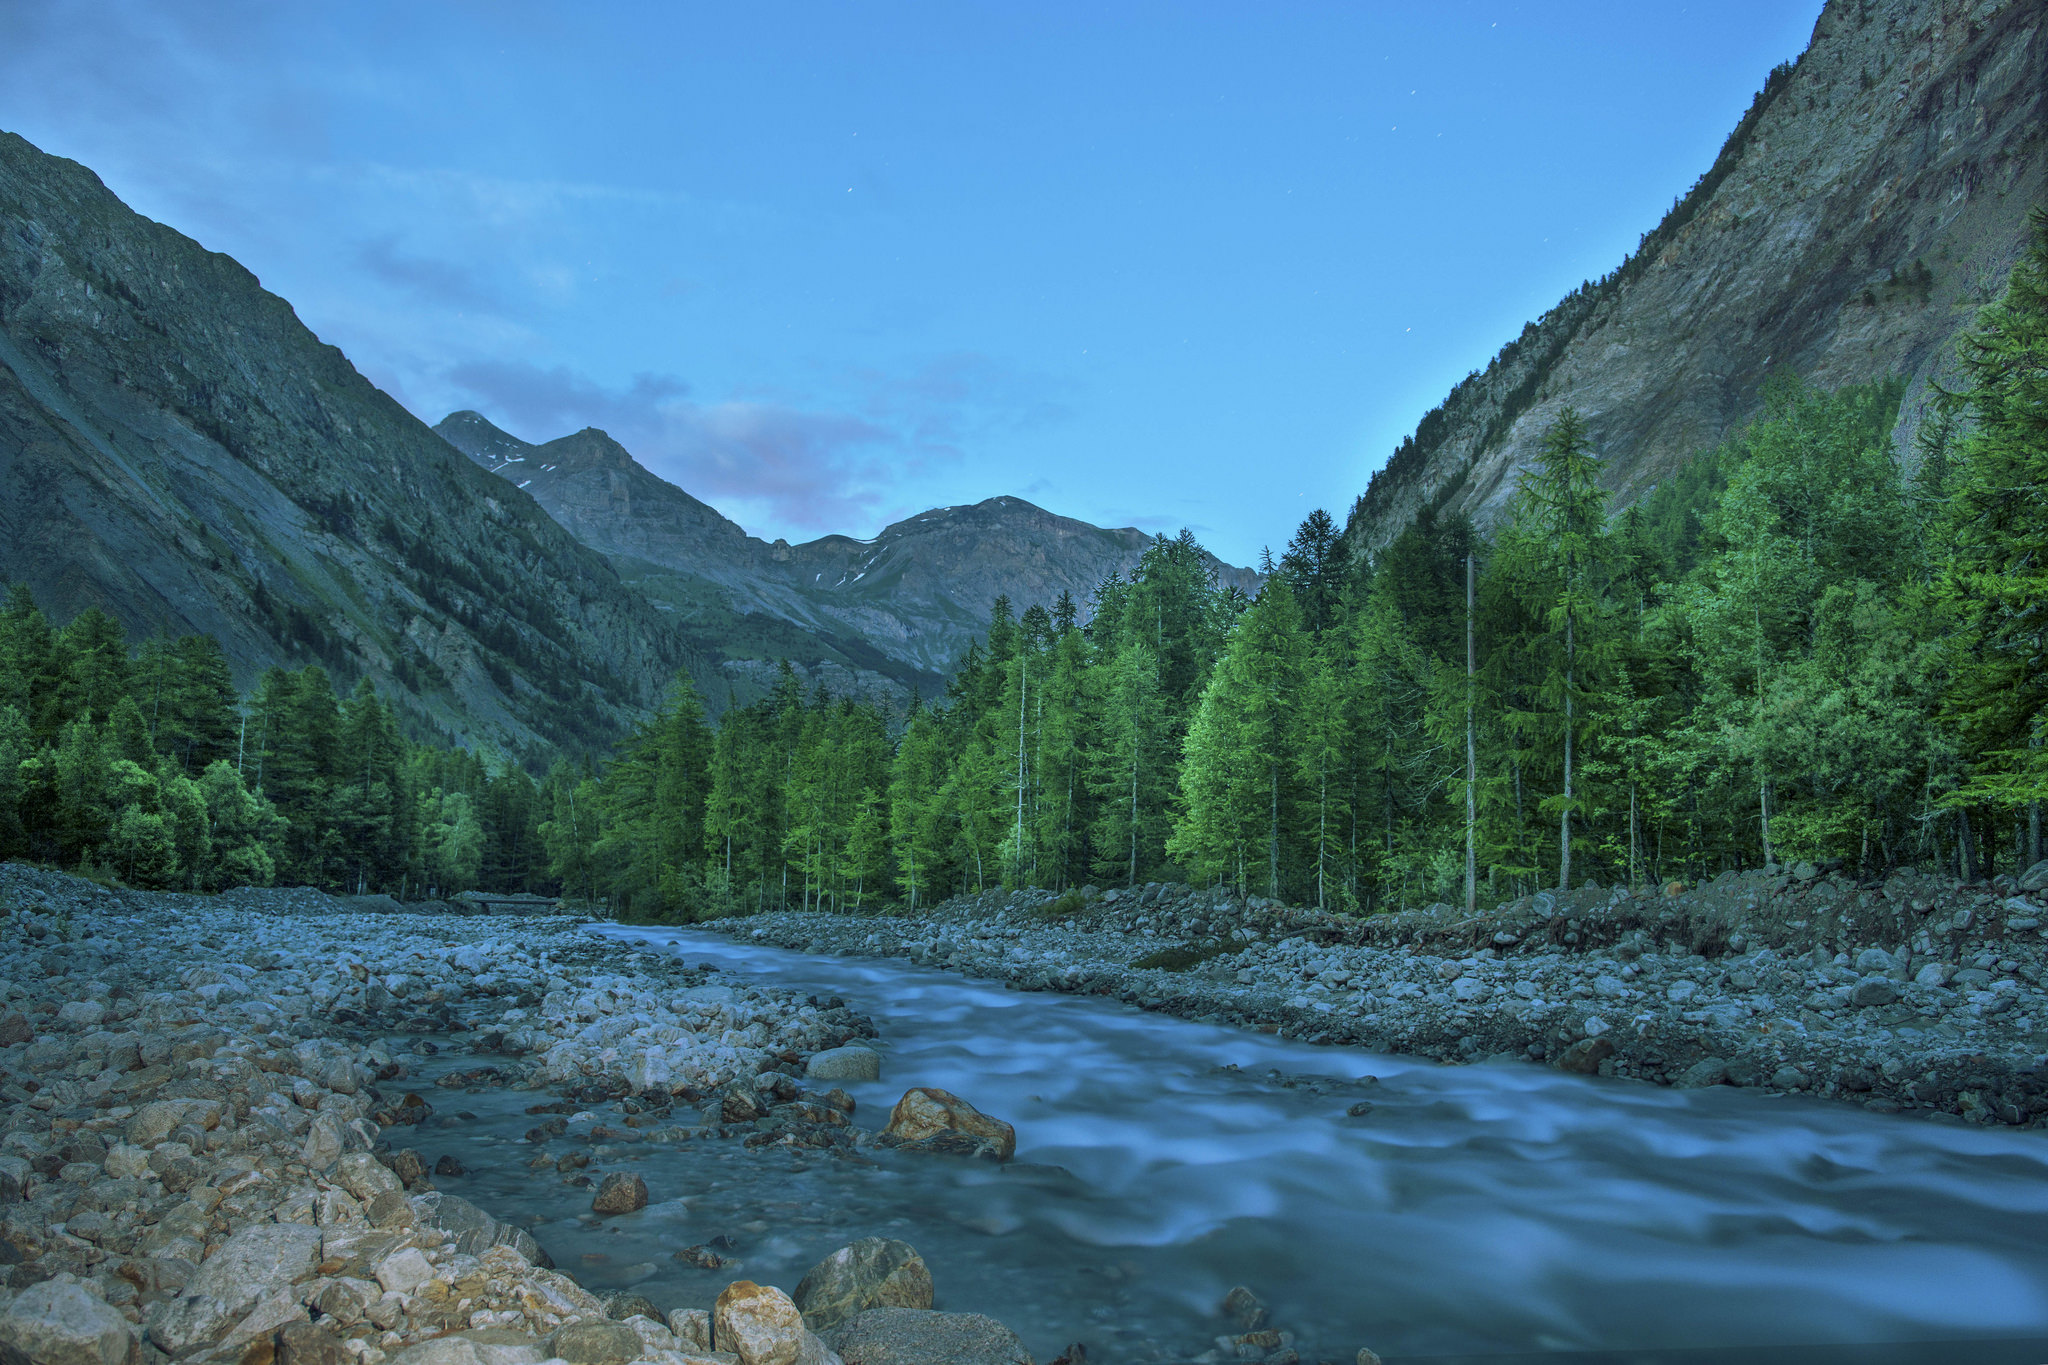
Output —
(1874, 195)
(917, 591)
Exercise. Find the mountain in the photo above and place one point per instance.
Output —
(178, 449)
(914, 595)
(1875, 194)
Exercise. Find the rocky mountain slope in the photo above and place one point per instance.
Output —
(913, 596)
(178, 449)
(1875, 195)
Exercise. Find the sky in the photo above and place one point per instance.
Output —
(828, 265)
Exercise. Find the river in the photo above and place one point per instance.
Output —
(1494, 1211)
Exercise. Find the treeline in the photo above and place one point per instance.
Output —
(145, 765)
(1795, 650)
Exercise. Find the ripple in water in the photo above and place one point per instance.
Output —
(1476, 1212)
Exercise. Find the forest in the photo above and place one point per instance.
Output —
(1802, 648)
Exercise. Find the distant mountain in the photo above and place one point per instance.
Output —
(915, 594)
(1874, 195)
(178, 449)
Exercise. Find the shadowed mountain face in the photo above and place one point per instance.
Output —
(916, 593)
(1874, 196)
(178, 449)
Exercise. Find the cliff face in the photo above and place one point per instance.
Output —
(176, 448)
(914, 595)
(1875, 195)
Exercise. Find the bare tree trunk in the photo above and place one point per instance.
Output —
(1966, 847)
(1471, 752)
(1564, 819)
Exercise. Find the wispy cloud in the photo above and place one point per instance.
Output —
(818, 470)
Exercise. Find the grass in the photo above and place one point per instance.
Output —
(1182, 956)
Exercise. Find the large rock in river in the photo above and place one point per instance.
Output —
(875, 1272)
(850, 1063)
(927, 1116)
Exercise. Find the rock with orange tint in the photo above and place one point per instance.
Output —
(929, 1117)
(758, 1323)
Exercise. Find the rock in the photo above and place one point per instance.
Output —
(926, 1112)
(741, 1105)
(2035, 878)
(1789, 1078)
(912, 1336)
(595, 1343)
(181, 1324)
(58, 1323)
(365, 1177)
(758, 1323)
(1703, 1073)
(15, 1028)
(449, 1165)
(1584, 1057)
(404, 1271)
(875, 1272)
(1932, 975)
(620, 1192)
(852, 1063)
(301, 1343)
(1368, 1356)
(408, 1166)
(1875, 960)
(624, 1303)
(153, 1122)
(692, 1327)
(82, 1014)
(1873, 991)
(260, 1260)
(325, 1142)
(124, 1162)
(1243, 1307)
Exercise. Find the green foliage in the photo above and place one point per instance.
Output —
(145, 767)
(1181, 956)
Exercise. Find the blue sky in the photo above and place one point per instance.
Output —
(826, 265)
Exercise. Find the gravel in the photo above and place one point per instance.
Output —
(1916, 993)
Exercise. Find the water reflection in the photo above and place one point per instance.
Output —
(1473, 1211)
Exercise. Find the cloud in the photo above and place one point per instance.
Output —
(424, 277)
(811, 469)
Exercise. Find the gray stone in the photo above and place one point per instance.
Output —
(2035, 878)
(1875, 960)
(595, 1343)
(620, 1192)
(404, 1271)
(1703, 1073)
(1873, 991)
(365, 1177)
(1788, 1078)
(851, 1063)
(692, 1327)
(181, 1324)
(255, 1263)
(875, 1272)
(912, 1336)
(325, 1142)
(58, 1323)
(758, 1323)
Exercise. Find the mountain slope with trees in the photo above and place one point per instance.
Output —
(1872, 198)
(179, 451)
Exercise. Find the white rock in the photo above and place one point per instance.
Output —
(58, 1323)
(404, 1271)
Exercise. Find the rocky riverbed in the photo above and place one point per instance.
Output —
(1917, 994)
(204, 1152)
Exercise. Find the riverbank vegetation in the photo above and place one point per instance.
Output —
(1801, 648)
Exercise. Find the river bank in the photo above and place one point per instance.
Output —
(207, 1107)
(1918, 994)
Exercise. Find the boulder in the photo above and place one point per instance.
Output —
(1873, 991)
(913, 1336)
(623, 1304)
(1703, 1073)
(261, 1260)
(875, 1272)
(325, 1142)
(58, 1323)
(926, 1112)
(365, 1177)
(2035, 878)
(1584, 1057)
(851, 1063)
(692, 1327)
(620, 1192)
(404, 1271)
(758, 1323)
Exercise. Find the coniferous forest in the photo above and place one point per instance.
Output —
(1803, 648)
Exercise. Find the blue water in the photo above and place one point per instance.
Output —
(1476, 1212)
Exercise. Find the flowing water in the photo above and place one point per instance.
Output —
(1476, 1212)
